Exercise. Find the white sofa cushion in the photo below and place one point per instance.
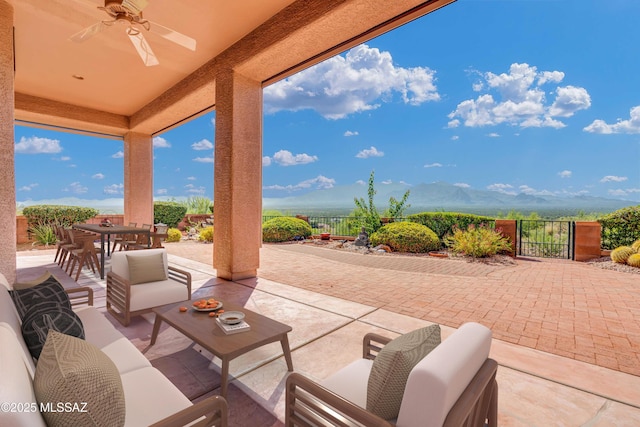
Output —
(351, 381)
(154, 294)
(443, 375)
(150, 397)
(10, 320)
(15, 385)
(120, 266)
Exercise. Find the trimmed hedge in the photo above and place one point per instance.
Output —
(620, 228)
(169, 213)
(406, 237)
(284, 229)
(66, 216)
(443, 223)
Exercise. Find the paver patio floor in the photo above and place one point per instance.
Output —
(563, 307)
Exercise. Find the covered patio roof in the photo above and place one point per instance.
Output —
(102, 86)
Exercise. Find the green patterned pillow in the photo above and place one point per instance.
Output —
(76, 373)
(392, 366)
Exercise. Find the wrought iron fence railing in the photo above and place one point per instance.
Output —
(545, 239)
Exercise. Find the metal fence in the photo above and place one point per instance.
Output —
(545, 239)
(336, 225)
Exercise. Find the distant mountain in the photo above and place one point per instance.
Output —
(442, 195)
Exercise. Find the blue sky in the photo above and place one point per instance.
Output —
(521, 96)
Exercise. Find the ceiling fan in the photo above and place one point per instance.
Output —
(129, 13)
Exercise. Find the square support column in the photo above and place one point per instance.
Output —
(138, 178)
(237, 176)
(7, 146)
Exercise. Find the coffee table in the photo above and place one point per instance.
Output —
(203, 330)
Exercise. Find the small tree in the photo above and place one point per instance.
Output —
(367, 213)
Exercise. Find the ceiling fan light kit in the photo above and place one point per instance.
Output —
(129, 13)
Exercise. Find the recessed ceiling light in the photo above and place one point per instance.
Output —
(78, 77)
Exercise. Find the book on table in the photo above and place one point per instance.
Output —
(235, 328)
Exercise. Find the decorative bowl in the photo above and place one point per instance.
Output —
(231, 317)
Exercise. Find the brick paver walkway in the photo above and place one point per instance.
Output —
(563, 307)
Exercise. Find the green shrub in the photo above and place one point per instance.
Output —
(284, 229)
(170, 213)
(443, 223)
(44, 234)
(620, 228)
(634, 260)
(173, 235)
(66, 216)
(621, 254)
(478, 242)
(198, 205)
(206, 235)
(406, 237)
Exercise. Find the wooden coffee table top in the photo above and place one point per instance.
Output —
(204, 330)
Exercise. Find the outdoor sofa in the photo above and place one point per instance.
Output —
(100, 380)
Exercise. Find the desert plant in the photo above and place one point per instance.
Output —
(173, 235)
(366, 212)
(206, 235)
(406, 237)
(478, 242)
(198, 205)
(170, 213)
(444, 223)
(636, 245)
(284, 229)
(43, 234)
(621, 254)
(634, 260)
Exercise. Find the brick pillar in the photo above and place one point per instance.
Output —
(7, 147)
(508, 229)
(587, 241)
(237, 176)
(138, 178)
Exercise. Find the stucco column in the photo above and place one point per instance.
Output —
(7, 162)
(138, 178)
(237, 176)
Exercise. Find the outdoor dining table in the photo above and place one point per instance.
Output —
(108, 231)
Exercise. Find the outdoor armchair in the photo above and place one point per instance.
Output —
(454, 385)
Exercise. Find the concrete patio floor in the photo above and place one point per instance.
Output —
(536, 388)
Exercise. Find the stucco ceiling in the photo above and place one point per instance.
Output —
(262, 39)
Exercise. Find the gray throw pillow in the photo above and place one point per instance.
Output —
(49, 290)
(392, 366)
(45, 316)
(78, 374)
(146, 268)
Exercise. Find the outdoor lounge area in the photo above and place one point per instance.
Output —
(535, 388)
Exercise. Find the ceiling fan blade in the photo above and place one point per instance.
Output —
(174, 36)
(135, 6)
(88, 32)
(143, 48)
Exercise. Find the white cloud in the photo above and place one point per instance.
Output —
(118, 155)
(493, 135)
(631, 126)
(613, 178)
(520, 101)
(113, 189)
(203, 159)
(160, 142)
(351, 133)
(371, 152)
(387, 182)
(286, 158)
(455, 138)
(462, 185)
(161, 191)
(360, 182)
(204, 144)
(356, 82)
(533, 192)
(502, 188)
(76, 187)
(98, 176)
(28, 187)
(266, 161)
(35, 145)
(64, 158)
(565, 174)
(192, 189)
(191, 178)
(320, 182)
(433, 165)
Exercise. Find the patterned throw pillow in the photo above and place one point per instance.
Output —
(45, 316)
(392, 366)
(49, 290)
(75, 372)
(146, 268)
